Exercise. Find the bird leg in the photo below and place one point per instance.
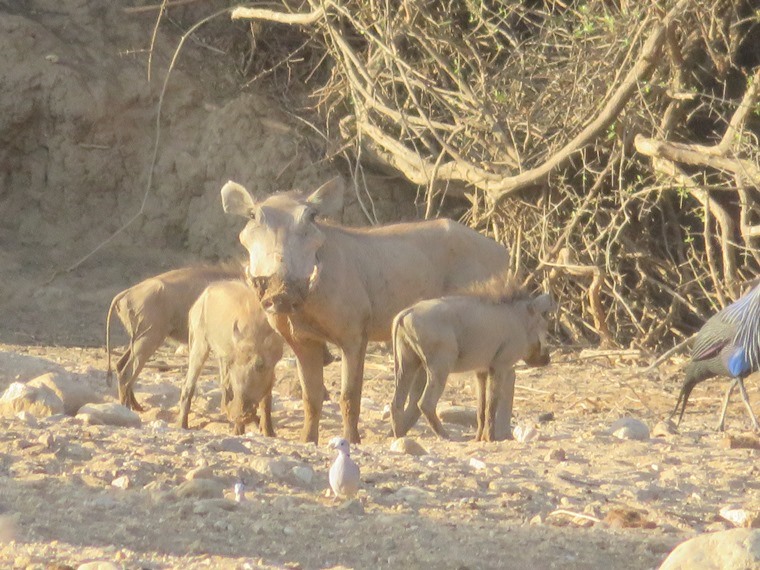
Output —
(722, 423)
(745, 398)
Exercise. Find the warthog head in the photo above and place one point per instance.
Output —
(283, 239)
(538, 329)
(250, 374)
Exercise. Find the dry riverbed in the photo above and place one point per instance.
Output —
(575, 497)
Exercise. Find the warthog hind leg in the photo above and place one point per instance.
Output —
(436, 382)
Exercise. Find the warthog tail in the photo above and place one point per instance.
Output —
(396, 340)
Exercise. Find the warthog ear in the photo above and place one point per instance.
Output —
(542, 304)
(237, 200)
(327, 200)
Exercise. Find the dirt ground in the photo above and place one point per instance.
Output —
(75, 142)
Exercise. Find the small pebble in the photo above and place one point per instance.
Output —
(122, 482)
(556, 455)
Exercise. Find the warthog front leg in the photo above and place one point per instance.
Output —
(503, 428)
(482, 379)
(352, 380)
(492, 394)
(265, 416)
(310, 358)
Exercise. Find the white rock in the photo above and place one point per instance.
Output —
(303, 473)
(277, 467)
(525, 434)
(735, 549)
(72, 392)
(39, 401)
(411, 494)
(664, 429)
(476, 463)
(630, 428)
(740, 516)
(27, 418)
(108, 414)
(122, 482)
(386, 412)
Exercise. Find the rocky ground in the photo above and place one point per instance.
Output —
(575, 497)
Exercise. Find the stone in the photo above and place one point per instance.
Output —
(39, 401)
(109, 413)
(28, 419)
(546, 417)
(276, 467)
(735, 549)
(476, 464)
(459, 415)
(203, 472)
(557, 454)
(664, 429)
(229, 445)
(409, 494)
(46, 439)
(72, 392)
(630, 428)
(122, 482)
(200, 489)
(743, 441)
(408, 446)
(623, 517)
(741, 516)
(525, 434)
(304, 474)
(206, 506)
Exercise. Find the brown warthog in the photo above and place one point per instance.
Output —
(319, 281)
(227, 319)
(153, 310)
(486, 330)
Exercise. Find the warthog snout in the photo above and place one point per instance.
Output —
(539, 356)
(279, 296)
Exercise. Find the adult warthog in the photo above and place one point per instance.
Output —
(319, 281)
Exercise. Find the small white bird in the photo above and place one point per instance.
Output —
(344, 473)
